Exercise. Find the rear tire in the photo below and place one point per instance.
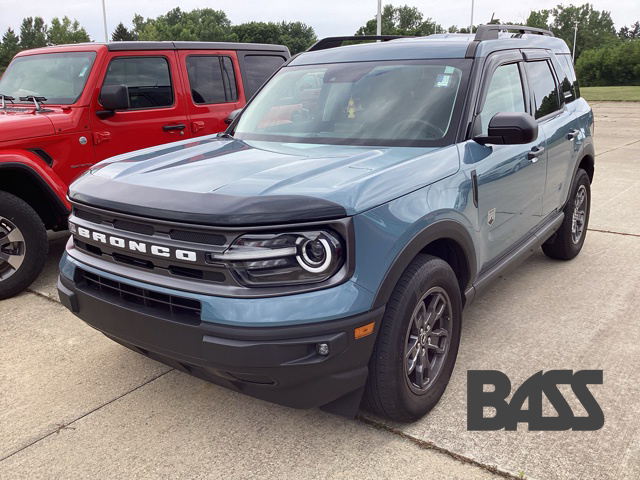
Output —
(570, 237)
(407, 374)
(23, 245)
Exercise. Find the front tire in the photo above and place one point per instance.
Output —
(570, 237)
(417, 345)
(23, 245)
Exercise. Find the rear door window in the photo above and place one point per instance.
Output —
(147, 78)
(258, 68)
(545, 90)
(211, 79)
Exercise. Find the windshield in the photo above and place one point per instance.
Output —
(59, 77)
(405, 103)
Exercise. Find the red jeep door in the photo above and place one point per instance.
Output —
(213, 86)
(157, 112)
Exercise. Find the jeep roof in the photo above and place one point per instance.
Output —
(165, 45)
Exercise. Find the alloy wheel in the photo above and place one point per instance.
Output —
(427, 340)
(12, 248)
(579, 214)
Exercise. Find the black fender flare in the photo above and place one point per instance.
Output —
(58, 204)
(439, 230)
(587, 150)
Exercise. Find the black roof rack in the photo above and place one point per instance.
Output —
(333, 42)
(491, 32)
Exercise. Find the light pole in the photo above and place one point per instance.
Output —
(575, 35)
(379, 19)
(471, 24)
(104, 17)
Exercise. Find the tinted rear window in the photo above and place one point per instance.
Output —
(258, 69)
(212, 79)
(567, 65)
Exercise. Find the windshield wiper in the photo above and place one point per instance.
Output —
(37, 102)
(5, 98)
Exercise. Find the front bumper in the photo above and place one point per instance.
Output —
(278, 364)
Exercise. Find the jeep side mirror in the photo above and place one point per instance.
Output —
(232, 116)
(114, 97)
(510, 128)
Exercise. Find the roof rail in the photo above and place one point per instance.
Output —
(333, 42)
(491, 32)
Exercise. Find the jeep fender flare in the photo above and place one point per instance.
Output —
(439, 230)
(46, 179)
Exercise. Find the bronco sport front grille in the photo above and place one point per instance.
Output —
(153, 232)
(171, 307)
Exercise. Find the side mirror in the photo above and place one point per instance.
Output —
(232, 116)
(510, 128)
(114, 97)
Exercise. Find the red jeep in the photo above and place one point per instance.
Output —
(64, 108)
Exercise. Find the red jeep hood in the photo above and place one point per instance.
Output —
(17, 125)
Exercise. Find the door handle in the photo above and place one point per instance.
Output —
(534, 153)
(169, 128)
(572, 134)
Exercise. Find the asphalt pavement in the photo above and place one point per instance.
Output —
(73, 404)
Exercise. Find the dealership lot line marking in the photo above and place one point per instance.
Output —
(68, 426)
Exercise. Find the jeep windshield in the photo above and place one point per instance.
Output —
(401, 103)
(59, 77)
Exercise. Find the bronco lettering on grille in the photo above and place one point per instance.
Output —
(134, 246)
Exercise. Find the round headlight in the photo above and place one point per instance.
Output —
(315, 255)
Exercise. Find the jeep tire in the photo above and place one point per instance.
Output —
(23, 245)
(568, 240)
(418, 342)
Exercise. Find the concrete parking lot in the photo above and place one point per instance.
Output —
(76, 405)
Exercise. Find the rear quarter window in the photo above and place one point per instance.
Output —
(258, 68)
(567, 65)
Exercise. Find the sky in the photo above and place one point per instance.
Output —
(327, 17)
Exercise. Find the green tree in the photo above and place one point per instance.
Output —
(297, 36)
(122, 33)
(204, 24)
(595, 28)
(539, 19)
(64, 32)
(257, 32)
(627, 33)
(403, 20)
(33, 33)
(10, 46)
(611, 65)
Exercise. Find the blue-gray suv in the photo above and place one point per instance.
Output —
(321, 250)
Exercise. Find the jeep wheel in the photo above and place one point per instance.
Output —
(23, 245)
(418, 342)
(569, 238)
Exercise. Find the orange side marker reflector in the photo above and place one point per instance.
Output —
(364, 330)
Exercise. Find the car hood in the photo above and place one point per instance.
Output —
(24, 123)
(216, 176)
